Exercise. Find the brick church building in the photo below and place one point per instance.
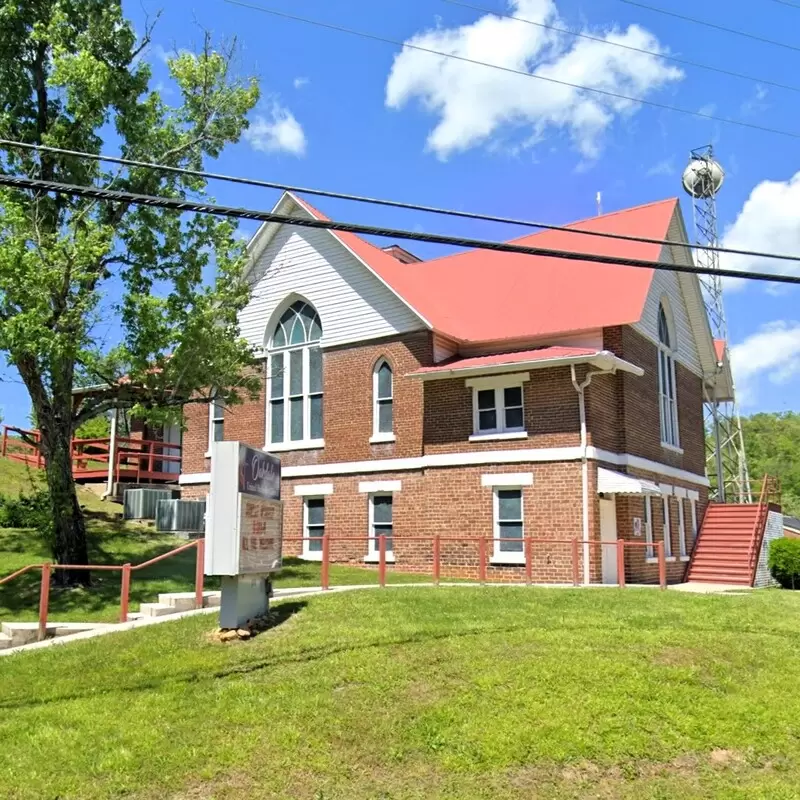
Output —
(478, 395)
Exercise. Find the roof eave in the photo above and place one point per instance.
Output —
(603, 360)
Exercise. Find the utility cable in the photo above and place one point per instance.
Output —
(117, 196)
(665, 56)
(713, 25)
(448, 212)
(512, 71)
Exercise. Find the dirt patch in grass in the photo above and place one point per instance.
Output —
(677, 657)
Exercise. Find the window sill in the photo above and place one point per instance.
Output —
(508, 560)
(377, 559)
(652, 560)
(668, 559)
(496, 437)
(672, 448)
(282, 447)
(382, 438)
(685, 558)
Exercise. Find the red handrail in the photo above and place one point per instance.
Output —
(126, 569)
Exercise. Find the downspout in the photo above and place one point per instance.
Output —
(112, 449)
(579, 388)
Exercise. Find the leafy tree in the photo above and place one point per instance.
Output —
(72, 75)
(772, 444)
(95, 428)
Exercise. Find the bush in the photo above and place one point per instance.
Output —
(784, 562)
(28, 511)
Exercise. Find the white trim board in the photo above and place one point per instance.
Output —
(478, 458)
(313, 489)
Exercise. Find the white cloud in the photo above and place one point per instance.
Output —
(476, 104)
(279, 131)
(299, 83)
(769, 221)
(163, 54)
(664, 167)
(772, 354)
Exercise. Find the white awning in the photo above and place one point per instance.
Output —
(610, 482)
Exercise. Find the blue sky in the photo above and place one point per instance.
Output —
(348, 114)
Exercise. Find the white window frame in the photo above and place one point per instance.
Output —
(666, 493)
(667, 384)
(680, 496)
(284, 355)
(693, 498)
(503, 556)
(216, 414)
(498, 383)
(373, 545)
(308, 554)
(650, 550)
(377, 434)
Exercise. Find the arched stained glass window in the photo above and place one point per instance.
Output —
(295, 376)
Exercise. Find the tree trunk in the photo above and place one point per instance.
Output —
(69, 528)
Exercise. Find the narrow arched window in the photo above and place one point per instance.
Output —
(295, 377)
(382, 401)
(667, 394)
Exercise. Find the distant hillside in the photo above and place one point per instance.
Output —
(772, 442)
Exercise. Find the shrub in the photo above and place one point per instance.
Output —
(784, 562)
(28, 511)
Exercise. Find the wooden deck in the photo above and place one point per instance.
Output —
(134, 460)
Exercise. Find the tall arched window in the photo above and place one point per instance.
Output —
(382, 402)
(295, 391)
(667, 395)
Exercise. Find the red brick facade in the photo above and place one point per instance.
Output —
(442, 491)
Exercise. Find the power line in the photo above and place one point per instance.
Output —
(714, 25)
(664, 56)
(787, 3)
(115, 195)
(390, 203)
(512, 71)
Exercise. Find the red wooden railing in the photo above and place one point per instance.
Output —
(770, 491)
(139, 460)
(125, 569)
(483, 565)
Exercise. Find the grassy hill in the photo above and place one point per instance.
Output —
(114, 541)
(422, 693)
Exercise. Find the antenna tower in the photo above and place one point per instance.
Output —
(726, 462)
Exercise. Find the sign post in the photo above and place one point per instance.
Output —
(243, 529)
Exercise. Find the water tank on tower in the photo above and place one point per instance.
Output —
(703, 177)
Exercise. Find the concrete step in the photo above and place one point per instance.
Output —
(5, 641)
(184, 601)
(156, 610)
(22, 633)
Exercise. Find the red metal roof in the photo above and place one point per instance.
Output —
(482, 296)
(502, 359)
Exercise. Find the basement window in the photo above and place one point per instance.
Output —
(508, 527)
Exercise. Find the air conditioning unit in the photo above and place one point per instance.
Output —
(141, 503)
(181, 516)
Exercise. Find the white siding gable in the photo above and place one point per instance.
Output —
(668, 285)
(352, 303)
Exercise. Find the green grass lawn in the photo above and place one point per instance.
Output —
(422, 693)
(113, 541)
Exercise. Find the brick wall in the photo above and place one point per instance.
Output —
(551, 414)
(452, 503)
(636, 402)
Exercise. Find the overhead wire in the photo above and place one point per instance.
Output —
(714, 25)
(132, 198)
(512, 71)
(449, 212)
(664, 56)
